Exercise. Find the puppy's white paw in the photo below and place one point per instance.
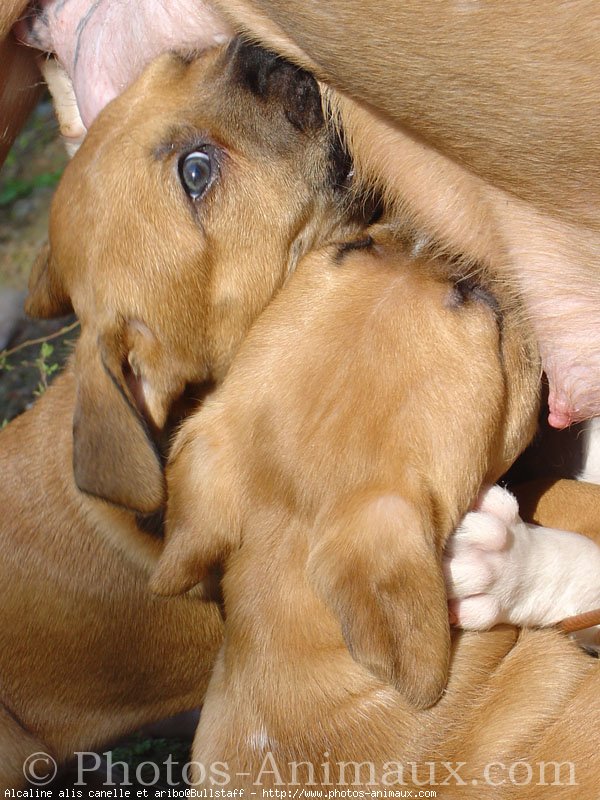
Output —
(484, 559)
(499, 569)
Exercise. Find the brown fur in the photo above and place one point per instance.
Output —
(481, 127)
(380, 498)
(19, 78)
(551, 503)
(285, 679)
(187, 338)
(87, 654)
(307, 482)
(277, 479)
(166, 288)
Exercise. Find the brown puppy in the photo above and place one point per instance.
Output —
(135, 355)
(307, 489)
(481, 126)
(379, 489)
(86, 653)
(195, 210)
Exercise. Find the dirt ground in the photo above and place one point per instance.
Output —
(27, 182)
(38, 349)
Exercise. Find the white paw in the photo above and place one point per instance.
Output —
(485, 562)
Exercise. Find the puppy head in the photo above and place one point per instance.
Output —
(183, 212)
(377, 489)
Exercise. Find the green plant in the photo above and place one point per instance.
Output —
(16, 188)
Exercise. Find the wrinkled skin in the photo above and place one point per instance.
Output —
(103, 45)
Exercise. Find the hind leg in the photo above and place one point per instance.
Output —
(21, 753)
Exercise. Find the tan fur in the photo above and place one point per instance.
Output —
(165, 291)
(258, 476)
(86, 653)
(166, 287)
(19, 78)
(285, 680)
(564, 504)
(480, 126)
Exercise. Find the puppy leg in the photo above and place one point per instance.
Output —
(499, 569)
(21, 754)
(65, 103)
(378, 569)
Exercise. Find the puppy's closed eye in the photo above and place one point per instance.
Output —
(467, 290)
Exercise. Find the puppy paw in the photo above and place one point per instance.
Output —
(485, 562)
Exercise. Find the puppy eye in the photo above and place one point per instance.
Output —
(196, 172)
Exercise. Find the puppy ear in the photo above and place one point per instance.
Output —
(378, 573)
(202, 526)
(114, 456)
(270, 77)
(47, 297)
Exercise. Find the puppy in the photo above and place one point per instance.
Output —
(201, 213)
(330, 513)
(216, 198)
(406, 732)
(86, 653)
(489, 147)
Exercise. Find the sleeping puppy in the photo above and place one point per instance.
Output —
(366, 407)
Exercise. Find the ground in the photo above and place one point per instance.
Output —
(39, 348)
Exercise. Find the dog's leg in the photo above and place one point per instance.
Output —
(22, 754)
(500, 569)
(65, 103)
(591, 465)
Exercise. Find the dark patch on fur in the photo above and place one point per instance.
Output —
(270, 77)
(152, 524)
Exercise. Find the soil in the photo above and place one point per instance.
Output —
(27, 182)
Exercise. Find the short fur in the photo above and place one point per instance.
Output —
(87, 654)
(481, 127)
(165, 292)
(19, 78)
(285, 680)
(186, 277)
(296, 486)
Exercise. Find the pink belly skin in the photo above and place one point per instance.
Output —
(104, 45)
